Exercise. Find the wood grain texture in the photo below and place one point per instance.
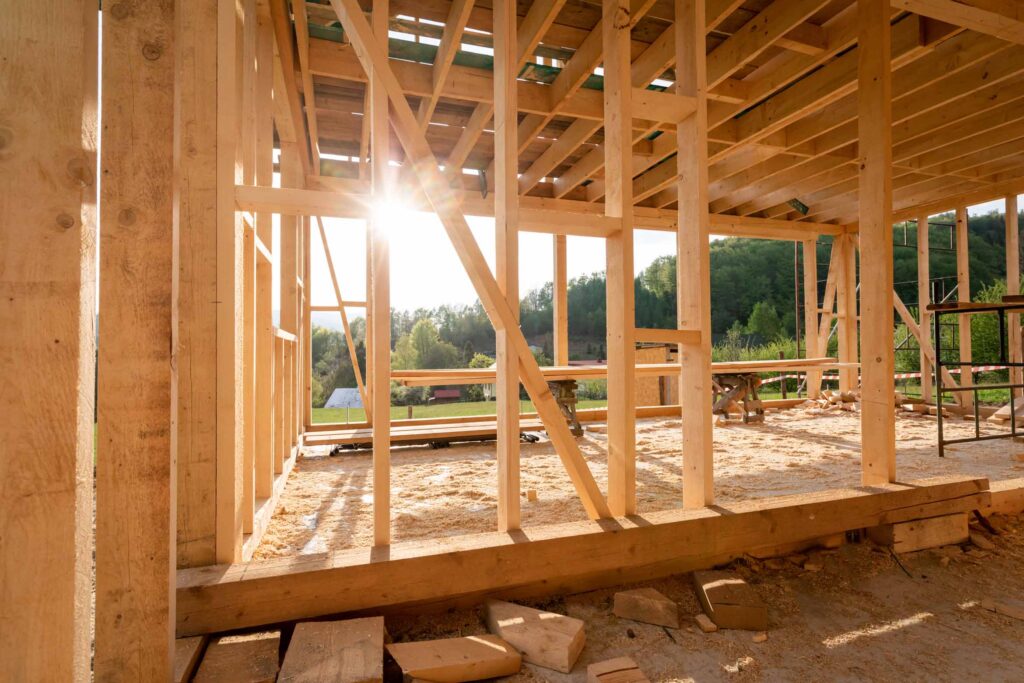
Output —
(135, 477)
(48, 138)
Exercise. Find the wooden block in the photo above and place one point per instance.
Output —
(647, 605)
(705, 623)
(919, 534)
(186, 656)
(730, 601)
(450, 660)
(252, 658)
(1008, 608)
(349, 651)
(546, 639)
(618, 670)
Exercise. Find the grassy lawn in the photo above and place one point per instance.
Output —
(322, 415)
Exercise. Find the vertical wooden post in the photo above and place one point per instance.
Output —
(248, 379)
(135, 513)
(264, 342)
(621, 323)
(506, 226)
(280, 428)
(874, 102)
(379, 315)
(924, 296)
(560, 302)
(693, 276)
(811, 350)
(205, 287)
(846, 310)
(1013, 284)
(963, 295)
(47, 284)
(307, 327)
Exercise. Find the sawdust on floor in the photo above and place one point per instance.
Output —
(862, 617)
(327, 503)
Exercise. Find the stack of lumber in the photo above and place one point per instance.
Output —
(729, 601)
(1002, 416)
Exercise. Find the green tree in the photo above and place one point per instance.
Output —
(764, 321)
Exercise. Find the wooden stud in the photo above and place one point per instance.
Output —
(506, 227)
(444, 203)
(1012, 217)
(264, 454)
(48, 133)
(963, 295)
(249, 258)
(560, 301)
(135, 478)
(621, 317)
(878, 364)
(693, 283)
(811, 350)
(924, 297)
(846, 312)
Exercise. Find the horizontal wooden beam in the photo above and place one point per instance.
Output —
(341, 198)
(656, 336)
(440, 572)
(1002, 19)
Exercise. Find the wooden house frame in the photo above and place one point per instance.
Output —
(866, 111)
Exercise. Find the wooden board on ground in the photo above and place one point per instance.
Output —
(919, 534)
(1006, 607)
(451, 660)
(186, 657)
(348, 651)
(252, 658)
(618, 670)
(648, 606)
(546, 639)
(730, 601)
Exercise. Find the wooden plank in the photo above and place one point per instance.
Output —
(618, 670)
(195, 282)
(874, 102)
(506, 240)
(228, 231)
(693, 283)
(1003, 20)
(348, 651)
(135, 477)
(919, 534)
(48, 139)
(729, 601)
(379, 292)
(963, 295)
(441, 572)
(646, 605)
(264, 458)
(560, 300)
(547, 639)
(924, 297)
(1013, 320)
(450, 660)
(501, 315)
(451, 41)
(620, 313)
(249, 260)
(186, 657)
(251, 658)
(811, 344)
(846, 312)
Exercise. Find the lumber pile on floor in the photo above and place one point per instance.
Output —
(920, 534)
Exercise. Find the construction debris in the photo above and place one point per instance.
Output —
(349, 651)
(705, 624)
(730, 601)
(760, 637)
(981, 542)
(186, 657)
(618, 670)
(452, 660)
(546, 639)
(648, 606)
(250, 658)
(1008, 608)
(919, 534)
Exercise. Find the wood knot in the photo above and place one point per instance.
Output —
(121, 10)
(65, 221)
(621, 18)
(152, 51)
(126, 217)
(81, 172)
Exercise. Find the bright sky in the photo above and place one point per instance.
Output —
(426, 271)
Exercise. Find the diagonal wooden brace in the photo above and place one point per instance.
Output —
(374, 59)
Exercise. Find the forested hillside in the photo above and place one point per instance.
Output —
(752, 293)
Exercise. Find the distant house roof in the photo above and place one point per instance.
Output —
(344, 398)
(447, 393)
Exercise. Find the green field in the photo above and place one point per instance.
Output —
(322, 415)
